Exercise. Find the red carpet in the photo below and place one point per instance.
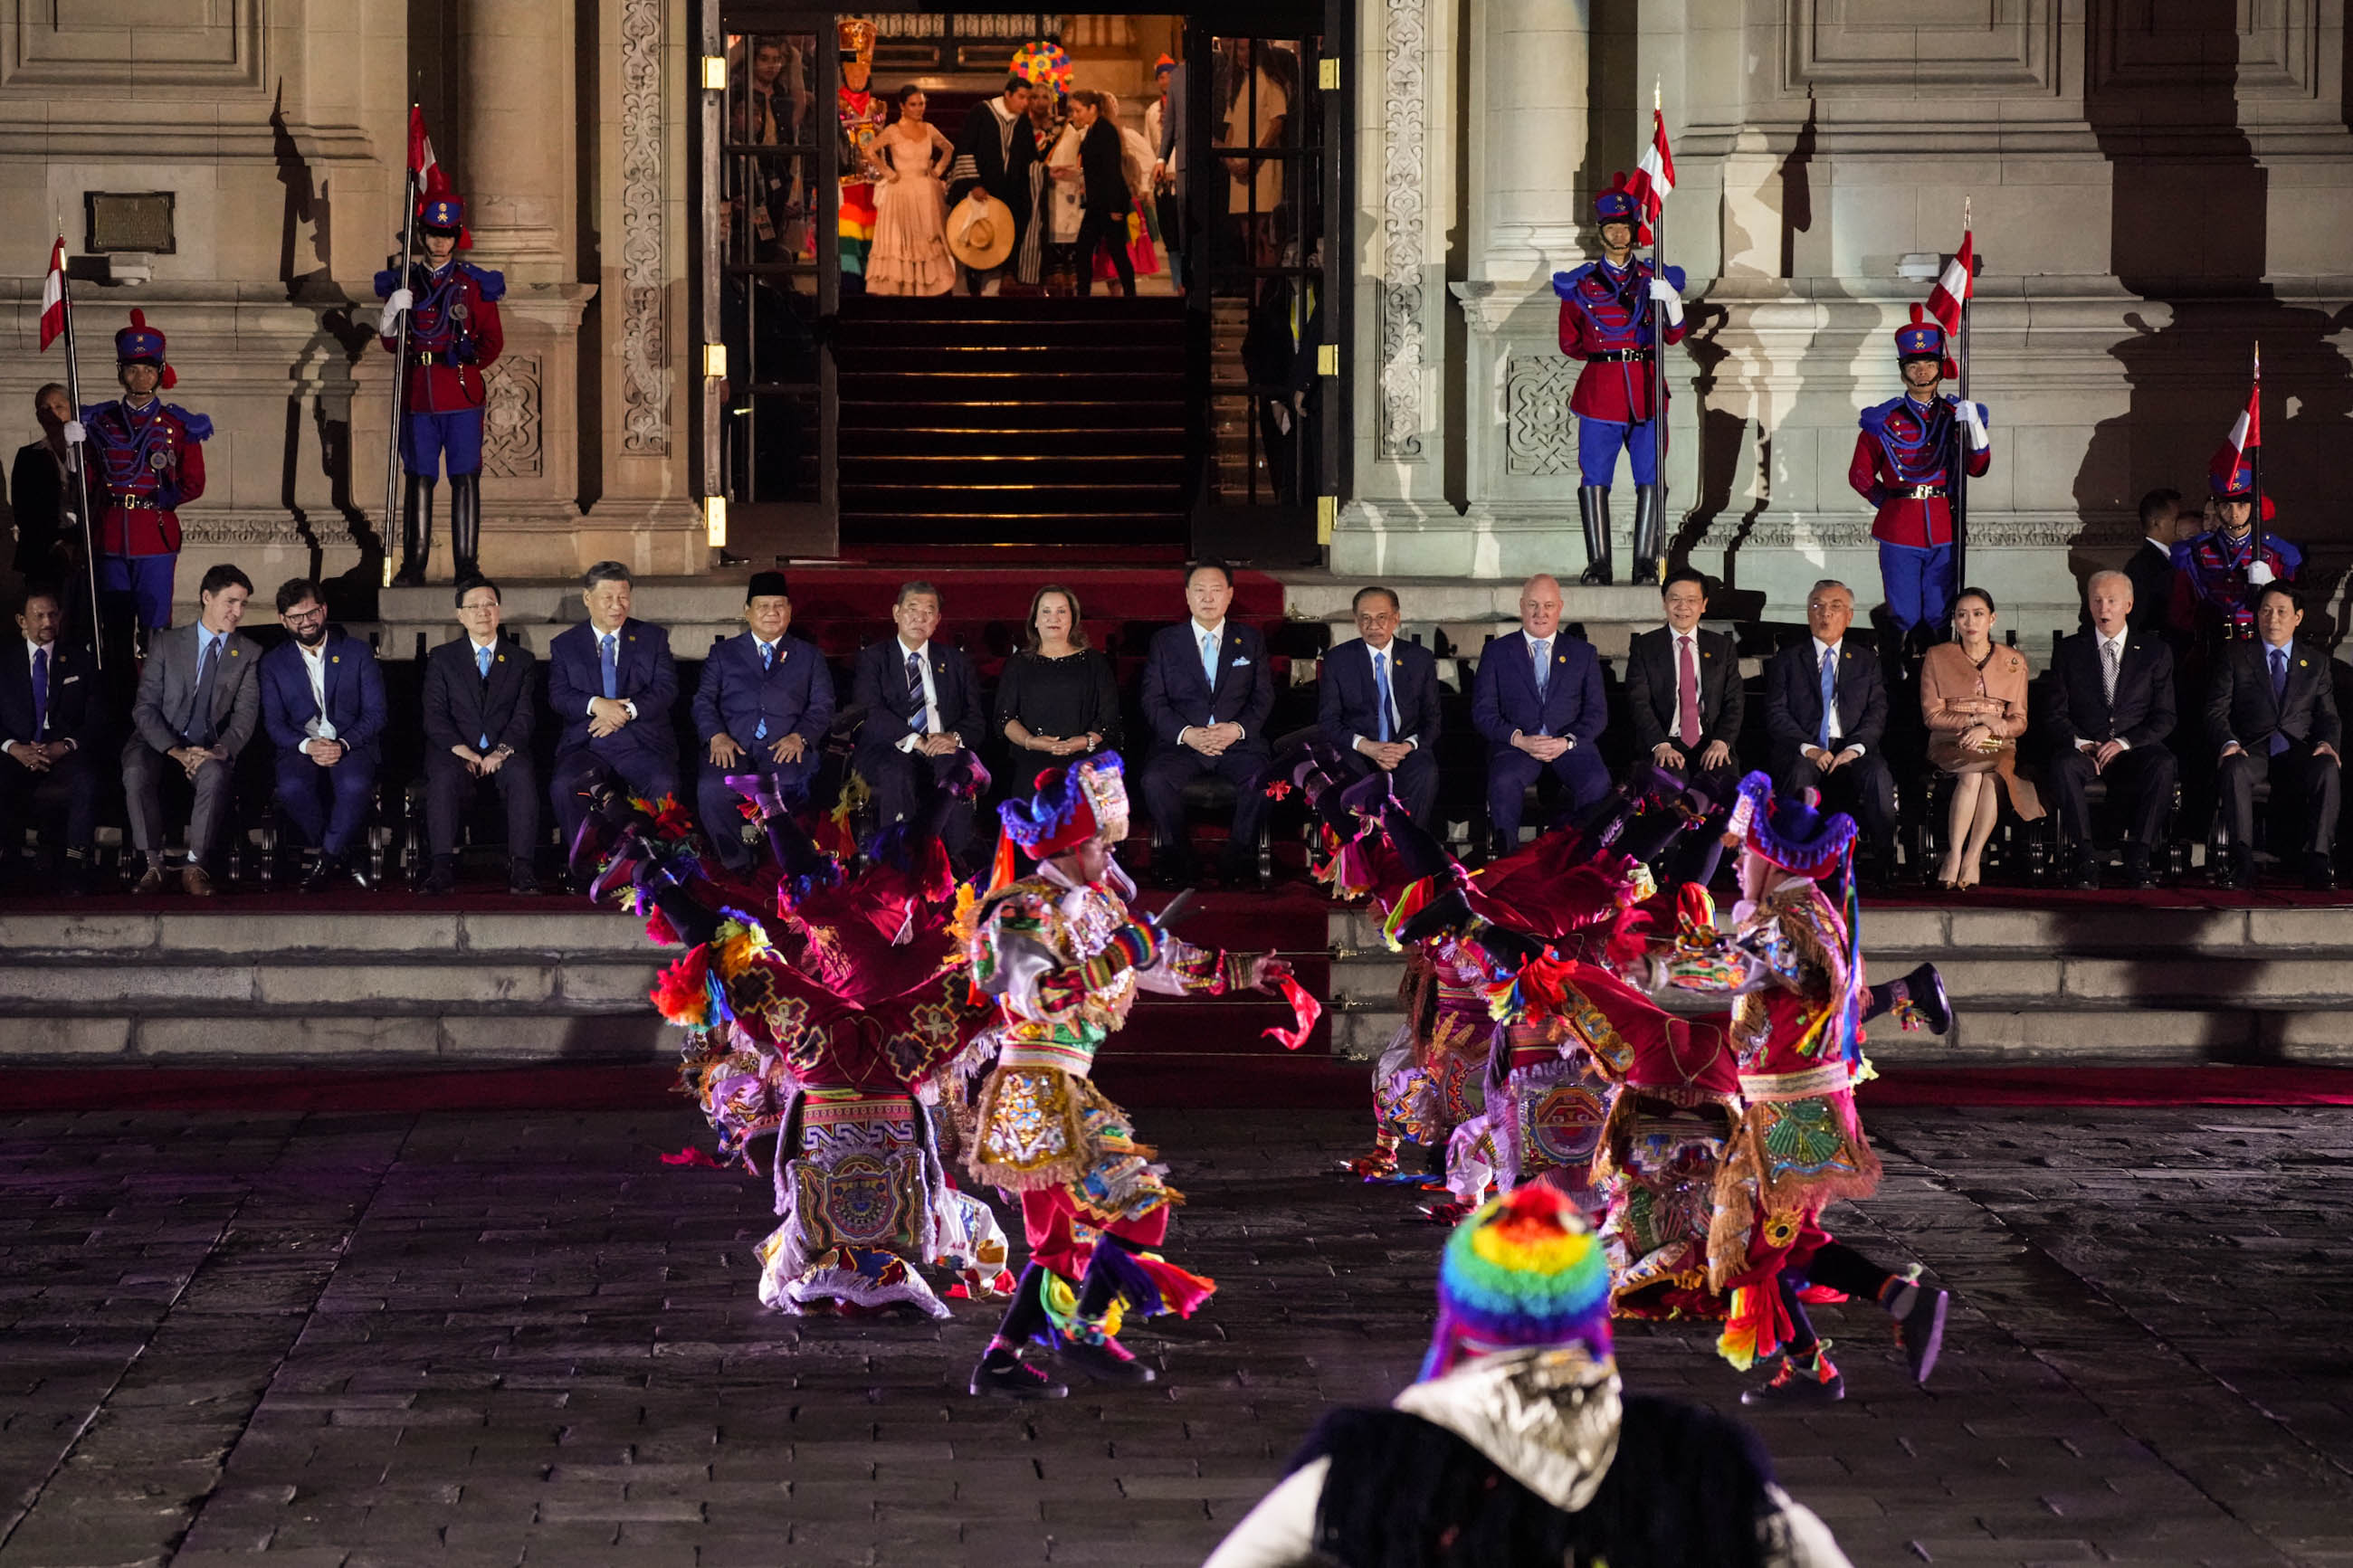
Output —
(1267, 1082)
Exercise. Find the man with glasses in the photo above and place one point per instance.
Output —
(1825, 717)
(478, 719)
(322, 703)
(1379, 702)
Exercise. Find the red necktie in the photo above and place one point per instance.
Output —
(1687, 692)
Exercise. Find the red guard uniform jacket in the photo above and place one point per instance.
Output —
(144, 463)
(453, 333)
(1604, 313)
(1904, 446)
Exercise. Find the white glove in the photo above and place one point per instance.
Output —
(74, 433)
(1664, 295)
(2259, 573)
(388, 323)
(1973, 415)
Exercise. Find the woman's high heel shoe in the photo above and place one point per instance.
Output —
(1970, 873)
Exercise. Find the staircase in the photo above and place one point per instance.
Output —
(1012, 421)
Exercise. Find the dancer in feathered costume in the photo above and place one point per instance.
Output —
(822, 1023)
(1062, 955)
(1793, 959)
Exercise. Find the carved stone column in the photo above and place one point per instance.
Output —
(1530, 65)
(515, 131)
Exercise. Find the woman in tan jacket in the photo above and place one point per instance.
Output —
(1973, 697)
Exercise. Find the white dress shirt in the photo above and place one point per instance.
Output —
(314, 664)
(922, 654)
(1216, 636)
(2100, 646)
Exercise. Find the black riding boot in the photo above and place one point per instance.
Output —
(1648, 526)
(416, 532)
(466, 524)
(1593, 509)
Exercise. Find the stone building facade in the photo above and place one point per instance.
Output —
(2157, 185)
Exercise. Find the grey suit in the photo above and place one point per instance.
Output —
(163, 717)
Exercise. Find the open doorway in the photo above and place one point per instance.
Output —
(974, 298)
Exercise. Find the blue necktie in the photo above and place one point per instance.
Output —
(40, 694)
(1209, 659)
(611, 661)
(916, 720)
(2279, 742)
(1830, 696)
(483, 666)
(767, 663)
(1541, 652)
(1381, 690)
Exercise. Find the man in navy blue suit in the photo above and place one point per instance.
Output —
(1538, 700)
(1380, 704)
(477, 721)
(922, 703)
(1825, 717)
(49, 720)
(764, 707)
(1207, 695)
(322, 703)
(611, 681)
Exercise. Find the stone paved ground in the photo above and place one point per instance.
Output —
(464, 1339)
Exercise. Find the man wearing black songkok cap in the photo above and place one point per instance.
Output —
(763, 708)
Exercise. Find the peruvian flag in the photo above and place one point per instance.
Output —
(1954, 288)
(53, 296)
(420, 149)
(1654, 173)
(2246, 435)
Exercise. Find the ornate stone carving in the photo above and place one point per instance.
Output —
(1405, 139)
(243, 530)
(645, 340)
(1537, 389)
(510, 432)
(2010, 531)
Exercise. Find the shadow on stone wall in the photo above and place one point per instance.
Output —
(2188, 234)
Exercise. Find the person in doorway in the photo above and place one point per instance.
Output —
(911, 205)
(454, 335)
(1104, 197)
(1164, 133)
(995, 154)
(1611, 312)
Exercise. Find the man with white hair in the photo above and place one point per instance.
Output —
(2110, 711)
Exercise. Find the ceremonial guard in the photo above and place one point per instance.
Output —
(1063, 956)
(863, 114)
(453, 335)
(1902, 466)
(2220, 574)
(1607, 319)
(146, 459)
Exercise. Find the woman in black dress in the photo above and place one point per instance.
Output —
(1058, 698)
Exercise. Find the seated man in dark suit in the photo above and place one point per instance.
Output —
(1206, 696)
(1537, 699)
(1683, 688)
(48, 721)
(1380, 704)
(611, 681)
(2272, 713)
(478, 719)
(322, 703)
(2110, 709)
(921, 704)
(764, 707)
(1825, 717)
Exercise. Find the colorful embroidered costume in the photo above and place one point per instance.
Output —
(863, 114)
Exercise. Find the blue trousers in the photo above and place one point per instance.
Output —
(1584, 779)
(147, 579)
(1918, 584)
(327, 807)
(723, 809)
(432, 437)
(1599, 442)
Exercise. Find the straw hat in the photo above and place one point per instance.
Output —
(980, 231)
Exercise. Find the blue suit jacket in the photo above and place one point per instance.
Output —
(647, 678)
(354, 693)
(1177, 695)
(1349, 704)
(878, 683)
(1504, 692)
(1793, 700)
(795, 695)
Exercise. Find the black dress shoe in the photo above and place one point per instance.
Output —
(2319, 873)
(521, 880)
(2087, 874)
(2136, 874)
(441, 880)
(324, 874)
(356, 874)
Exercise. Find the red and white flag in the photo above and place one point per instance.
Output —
(1954, 286)
(53, 296)
(1654, 172)
(420, 150)
(2231, 462)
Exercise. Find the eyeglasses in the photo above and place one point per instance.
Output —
(315, 613)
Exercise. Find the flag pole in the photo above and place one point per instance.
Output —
(2256, 465)
(74, 460)
(1957, 475)
(1658, 348)
(399, 362)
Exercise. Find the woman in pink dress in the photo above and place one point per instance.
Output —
(911, 205)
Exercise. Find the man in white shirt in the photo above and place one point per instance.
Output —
(1683, 689)
(1379, 702)
(922, 698)
(322, 703)
(1826, 715)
